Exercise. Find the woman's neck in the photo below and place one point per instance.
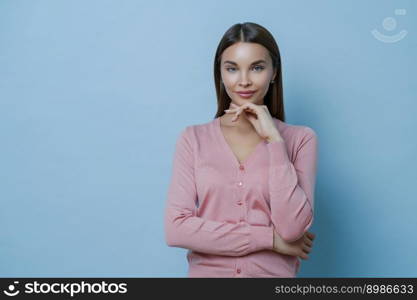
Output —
(242, 123)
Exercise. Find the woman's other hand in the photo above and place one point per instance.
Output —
(300, 247)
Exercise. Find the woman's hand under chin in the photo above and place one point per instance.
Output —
(259, 117)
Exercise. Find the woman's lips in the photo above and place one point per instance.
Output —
(245, 95)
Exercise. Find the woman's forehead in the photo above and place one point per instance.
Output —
(245, 53)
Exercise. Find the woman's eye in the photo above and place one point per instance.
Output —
(229, 68)
(261, 68)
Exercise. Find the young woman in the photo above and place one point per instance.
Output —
(242, 189)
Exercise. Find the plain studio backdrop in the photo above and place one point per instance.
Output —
(93, 95)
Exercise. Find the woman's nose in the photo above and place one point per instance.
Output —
(244, 81)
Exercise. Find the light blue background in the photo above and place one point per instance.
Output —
(93, 95)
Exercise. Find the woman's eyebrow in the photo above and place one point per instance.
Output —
(255, 62)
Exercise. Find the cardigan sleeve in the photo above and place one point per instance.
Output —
(291, 186)
(186, 230)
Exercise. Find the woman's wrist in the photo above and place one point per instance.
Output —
(274, 138)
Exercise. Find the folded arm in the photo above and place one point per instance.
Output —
(291, 186)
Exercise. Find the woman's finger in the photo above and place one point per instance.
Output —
(306, 249)
(238, 112)
(236, 116)
(239, 109)
(303, 255)
(311, 235)
(308, 242)
(231, 111)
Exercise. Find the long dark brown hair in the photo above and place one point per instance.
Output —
(251, 33)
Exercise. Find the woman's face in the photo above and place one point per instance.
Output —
(246, 66)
